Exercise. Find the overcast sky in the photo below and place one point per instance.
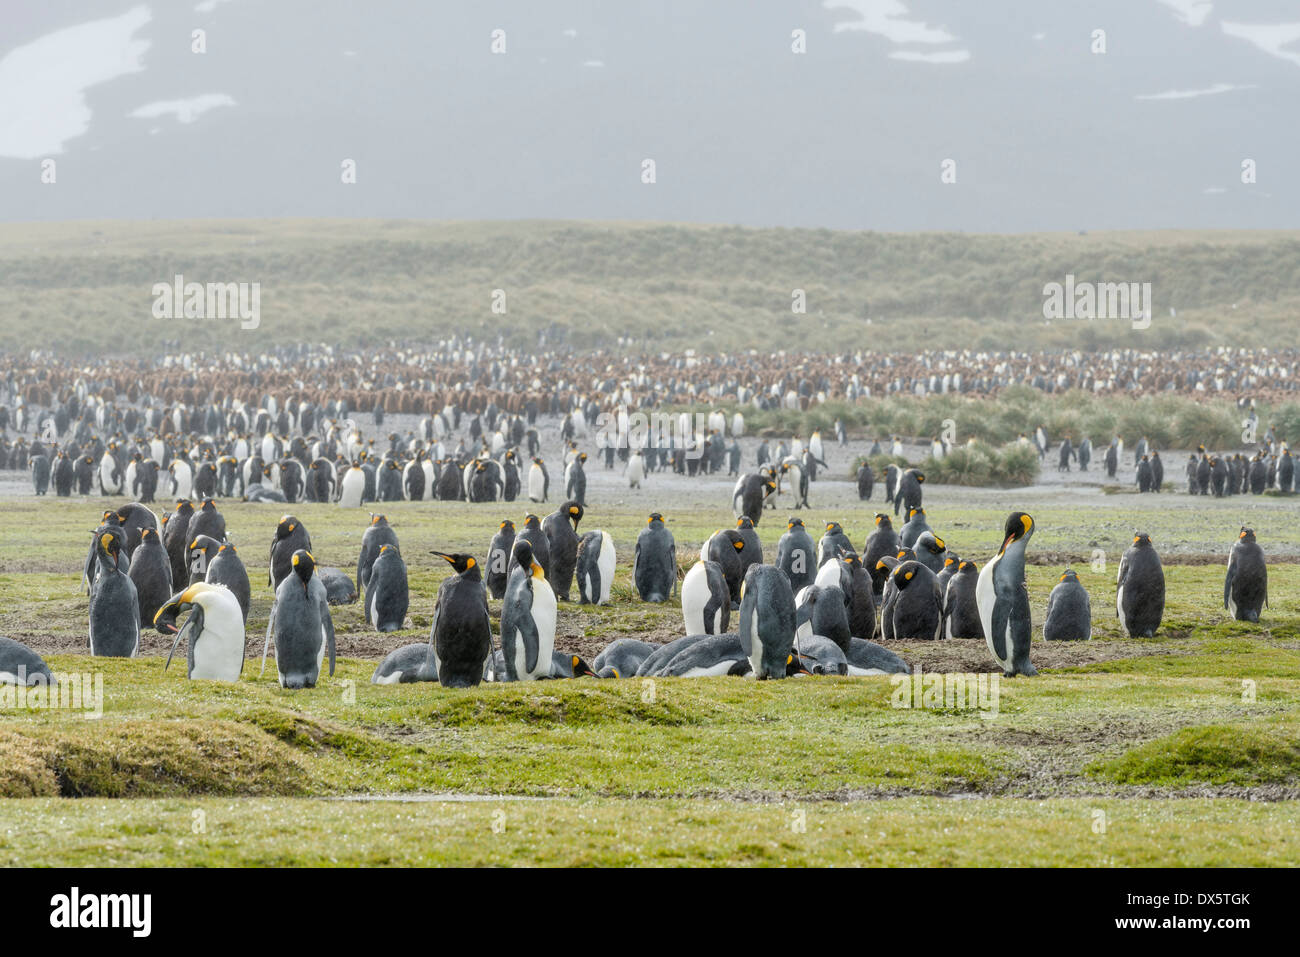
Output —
(1044, 132)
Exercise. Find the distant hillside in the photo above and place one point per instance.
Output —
(87, 287)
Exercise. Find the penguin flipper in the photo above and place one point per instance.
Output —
(1227, 581)
(266, 645)
(743, 631)
(327, 625)
(1001, 618)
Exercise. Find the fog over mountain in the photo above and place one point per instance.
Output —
(1045, 133)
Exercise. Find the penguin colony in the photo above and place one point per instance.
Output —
(817, 610)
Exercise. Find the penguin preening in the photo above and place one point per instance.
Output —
(961, 610)
(301, 624)
(214, 631)
(1245, 587)
(1004, 600)
(917, 608)
(1140, 589)
(528, 614)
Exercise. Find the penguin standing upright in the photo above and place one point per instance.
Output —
(595, 571)
(536, 537)
(498, 559)
(913, 529)
(175, 537)
(654, 563)
(752, 553)
(290, 537)
(151, 572)
(724, 547)
(706, 600)
(917, 609)
(352, 488)
(908, 496)
(866, 479)
(1069, 610)
(387, 592)
(575, 479)
(214, 631)
(460, 638)
(539, 481)
(528, 614)
(795, 555)
(961, 610)
(750, 493)
(635, 470)
(767, 621)
(227, 569)
(377, 534)
(114, 607)
(1140, 589)
(1245, 587)
(561, 530)
(301, 625)
(881, 542)
(1004, 600)
(833, 541)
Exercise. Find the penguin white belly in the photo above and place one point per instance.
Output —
(544, 612)
(427, 467)
(828, 575)
(710, 671)
(985, 598)
(184, 479)
(606, 563)
(354, 484)
(219, 650)
(521, 658)
(536, 484)
(106, 466)
(856, 672)
(129, 484)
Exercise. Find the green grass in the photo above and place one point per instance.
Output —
(88, 285)
(1185, 742)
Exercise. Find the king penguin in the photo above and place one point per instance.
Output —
(795, 555)
(1004, 600)
(706, 600)
(151, 572)
(1245, 588)
(561, 530)
(833, 541)
(917, 609)
(301, 624)
(498, 560)
(290, 537)
(215, 631)
(460, 638)
(767, 621)
(961, 610)
(596, 561)
(19, 665)
(1069, 610)
(377, 534)
(1140, 589)
(387, 593)
(654, 564)
(882, 541)
(114, 606)
(528, 614)
(227, 569)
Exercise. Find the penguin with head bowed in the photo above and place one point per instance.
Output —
(795, 555)
(860, 603)
(818, 655)
(377, 534)
(930, 551)
(536, 537)
(406, 665)
(19, 665)
(706, 600)
(915, 526)
(564, 665)
(215, 631)
(460, 638)
(654, 562)
(833, 542)
(882, 541)
(595, 572)
(1140, 589)
(751, 491)
(767, 621)
(822, 611)
(528, 614)
(724, 547)
(1245, 588)
(301, 624)
(1069, 610)
(908, 495)
(175, 537)
(227, 569)
(1004, 600)
(621, 658)
(387, 592)
(917, 608)
(961, 610)
(151, 572)
(290, 537)
(114, 605)
(498, 559)
(561, 530)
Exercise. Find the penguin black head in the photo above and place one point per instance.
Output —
(573, 512)
(581, 669)
(952, 560)
(1141, 540)
(1247, 534)
(654, 517)
(850, 558)
(1069, 575)
(833, 528)
(147, 534)
(793, 523)
(286, 527)
(914, 512)
(882, 520)
(110, 540)
(304, 565)
(1019, 526)
(378, 519)
(933, 543)
(905, 573)
(966, 566)
(506, 524)
(525, 558)
(460, 563)
(531, 521)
